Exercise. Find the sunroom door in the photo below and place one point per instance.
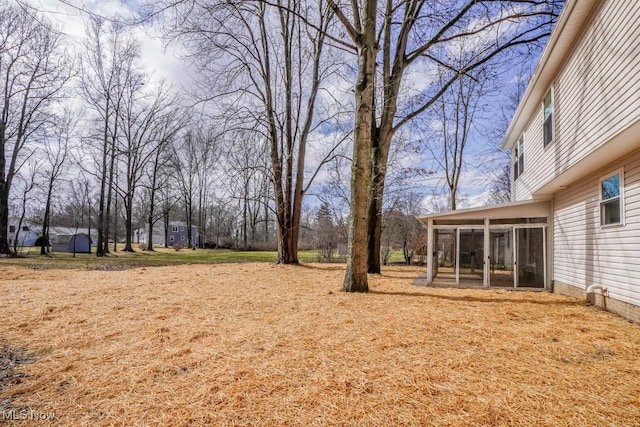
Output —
(501, 257)
(470, 255)
(530, 265)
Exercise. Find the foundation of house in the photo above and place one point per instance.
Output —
(628, 311)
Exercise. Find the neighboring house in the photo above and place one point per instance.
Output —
(574, 224)
(177, 234)
(141, 235)
(28, 234)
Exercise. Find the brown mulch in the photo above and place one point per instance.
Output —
(260, 344)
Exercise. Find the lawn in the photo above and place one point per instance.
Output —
(263, 344)
(159, 257)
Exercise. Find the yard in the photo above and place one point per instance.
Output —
(30, 257)
(262, 344)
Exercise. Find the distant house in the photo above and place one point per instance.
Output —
(573, 226)
(141, 235)
(176, 234)
(27, 235)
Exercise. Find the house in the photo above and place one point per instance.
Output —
(176, 234)
(573, 225)
(141, 234)
(28, 233)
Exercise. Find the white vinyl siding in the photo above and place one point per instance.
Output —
(586, 253)
(595, 96)
(523, 187)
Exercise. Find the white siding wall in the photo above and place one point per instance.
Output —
(524, 186)
(596, 96)
(584, 252)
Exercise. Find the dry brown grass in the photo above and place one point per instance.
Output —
(260, 344)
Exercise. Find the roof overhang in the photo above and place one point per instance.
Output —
(566, 33)
(527, 209)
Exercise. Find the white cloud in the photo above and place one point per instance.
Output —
(72, 21)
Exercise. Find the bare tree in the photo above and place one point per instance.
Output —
(247, 176)
(207, 166)
(267, 68)
(145, 132)
(56, 156)
(158, 172)
(456, 111)
(415, 33)
(107, 71)
(186, 159)
(498, 161)
(29, 183)
(33, 71)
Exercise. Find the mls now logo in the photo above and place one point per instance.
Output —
(26, 414)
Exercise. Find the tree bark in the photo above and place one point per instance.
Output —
(355, 279)
(128, 247)
(45, 221)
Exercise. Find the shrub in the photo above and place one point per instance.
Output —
(177, 247)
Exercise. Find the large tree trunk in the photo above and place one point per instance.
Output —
(150, 224)
(375, 231)
(355, 279)
(102, 236)
(5, 249)
(165, 222)
(375, 208)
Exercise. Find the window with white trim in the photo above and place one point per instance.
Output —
(182, 238)
(611, 199)
(171, 238)
(181, 228)
(548, 118)
(518, 159)
(174, 228)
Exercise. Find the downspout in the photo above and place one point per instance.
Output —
(591, 289)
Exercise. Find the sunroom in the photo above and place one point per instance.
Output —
(501, 246)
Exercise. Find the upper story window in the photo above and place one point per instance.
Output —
(611, 199)
(518, 159)
(548, 118)
(182, 228)
(174, 228)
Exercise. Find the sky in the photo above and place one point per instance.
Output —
(71, 17)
